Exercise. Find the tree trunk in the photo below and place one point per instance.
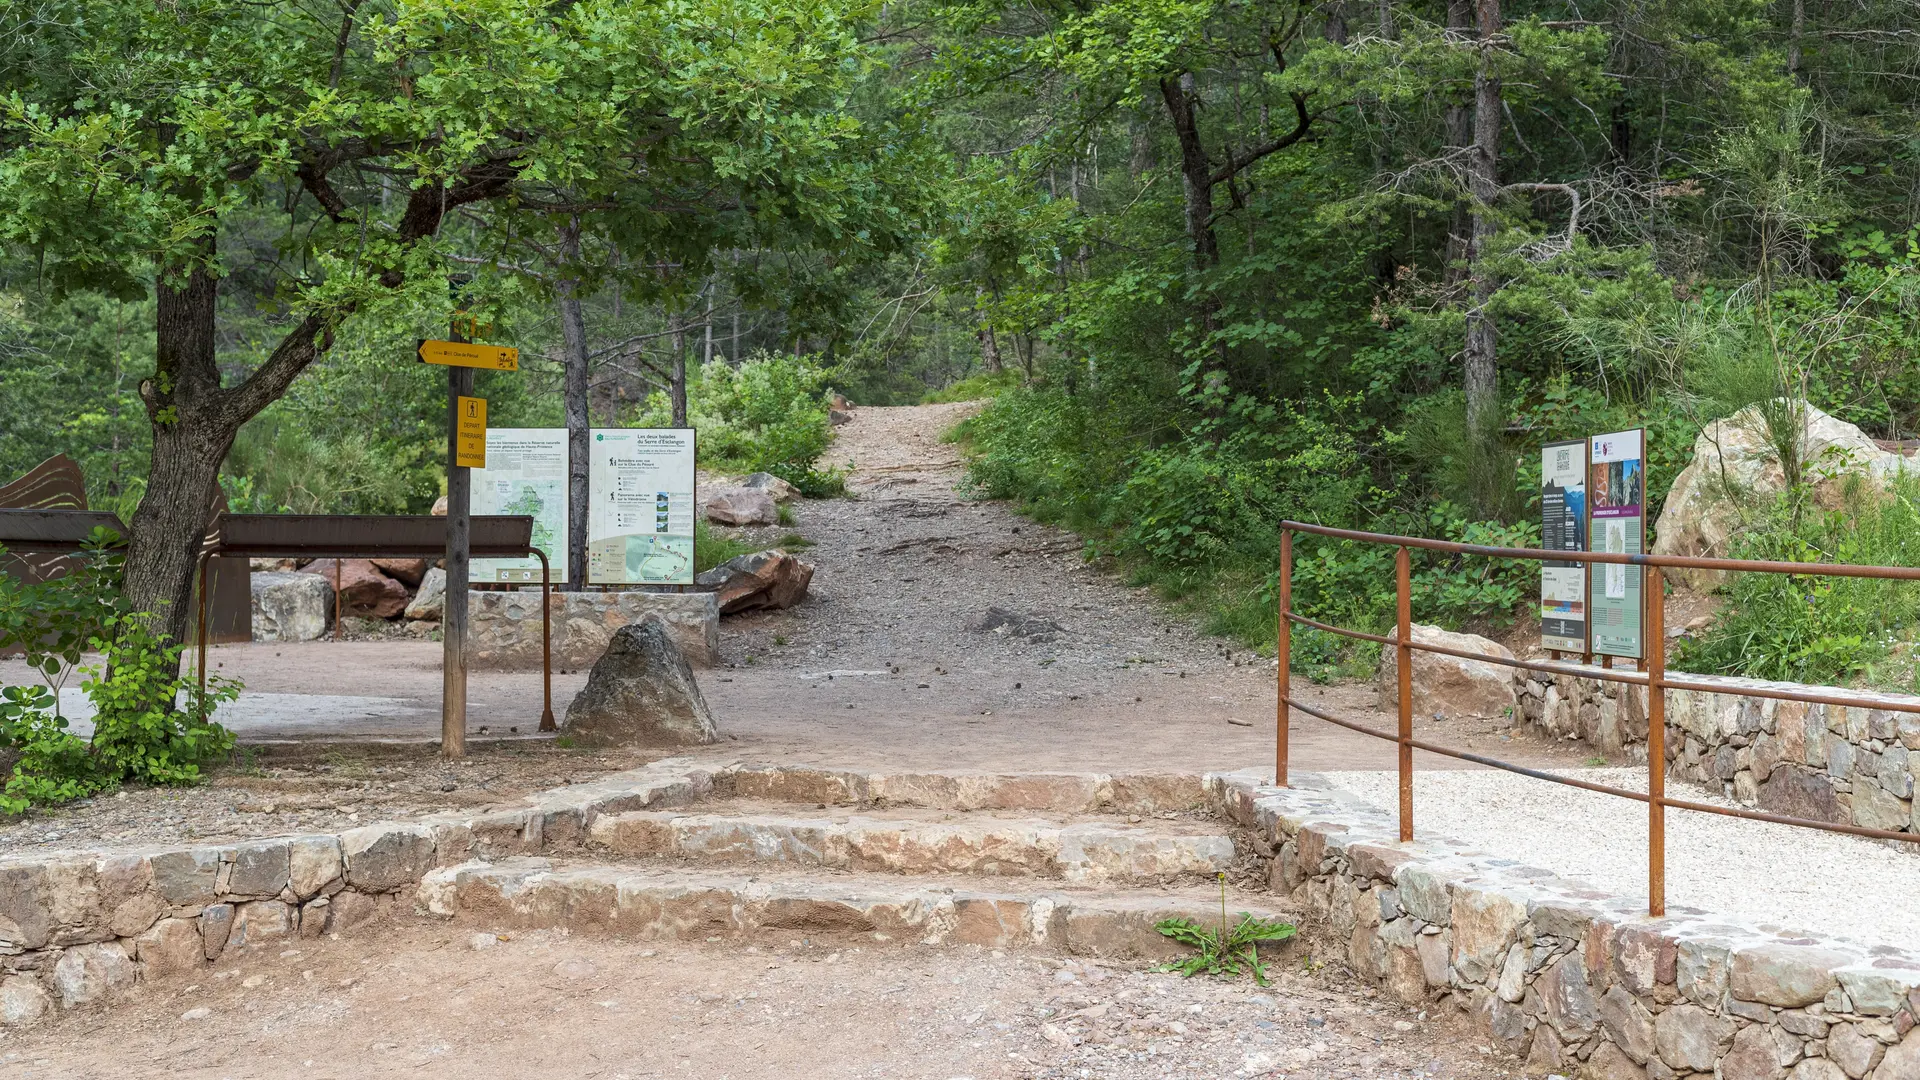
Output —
(1482, 377)
(677, 388)
(1196, 192)
(573, 338)
(1459, 26)
(989, 345)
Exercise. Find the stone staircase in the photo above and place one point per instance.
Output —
(1077, 863)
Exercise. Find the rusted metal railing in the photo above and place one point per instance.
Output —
(1652, 674)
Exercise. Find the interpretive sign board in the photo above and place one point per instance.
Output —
(640, 511)
(1616, 495)
(1563, 527)
(526, 473)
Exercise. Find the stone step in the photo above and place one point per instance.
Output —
(1087, 853)
(653, 902)
(1055, 792)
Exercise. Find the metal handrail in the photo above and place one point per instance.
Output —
(1654, 677)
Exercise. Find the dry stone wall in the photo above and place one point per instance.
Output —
(504, 631)
(77, 928)
(1573, 980)
(1844, 764)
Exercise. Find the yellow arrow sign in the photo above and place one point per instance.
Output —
(470, 431)
(464, 354)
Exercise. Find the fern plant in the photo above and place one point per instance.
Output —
(1224, 951)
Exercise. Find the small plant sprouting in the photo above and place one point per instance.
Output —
(779, 639)
(1224, 951)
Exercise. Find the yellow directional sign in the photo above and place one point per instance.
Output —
(465, 354)
(470, 450)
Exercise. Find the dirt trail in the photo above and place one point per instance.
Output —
(1090, 673)
(420, 1000)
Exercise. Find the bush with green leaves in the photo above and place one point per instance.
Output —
(768, 414)
(1225, 950)
(56, 624)
(1812, 628)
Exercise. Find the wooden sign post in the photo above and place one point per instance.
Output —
(466, 449)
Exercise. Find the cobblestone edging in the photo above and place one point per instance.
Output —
(504, 632)
(1848, 764)
(1572, 979)
(83, 927)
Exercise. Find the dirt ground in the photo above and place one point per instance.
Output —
(425, 1000)
(889, 664)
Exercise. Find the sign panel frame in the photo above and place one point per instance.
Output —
(526, 474)
(1616, 502)
(1563, 527)
(642, 487)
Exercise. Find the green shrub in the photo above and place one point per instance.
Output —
(55, 623)
(1812, 628)
(769, 414)
(977, 387)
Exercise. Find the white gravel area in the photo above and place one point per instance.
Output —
(1774, 877)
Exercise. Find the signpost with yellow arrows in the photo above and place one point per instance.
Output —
(466, 449)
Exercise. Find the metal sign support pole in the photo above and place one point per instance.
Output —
(453, 624)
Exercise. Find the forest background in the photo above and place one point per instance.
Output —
(1218, 264)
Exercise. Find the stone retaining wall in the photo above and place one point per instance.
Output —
(77, 928)
(1850, 765)
(1571, 979)
(504, 631)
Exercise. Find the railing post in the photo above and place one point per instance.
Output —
(1654, 648)
(1403, 587)
(1283, 654)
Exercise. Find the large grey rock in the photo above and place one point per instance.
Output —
(22, 1000)
(87, 973)
(741, 506)
(781, 491)
(173, 946)
(259, 869)
(1803, 793)
(1736, 471)
(216, 926)
(291, 607)
(430, 601)
(764, 579)
(641, 691)
(1852, 1051)
(1568, 999)
(25, 921)
(1449, 685)
(1760, 1052)
(186, 878)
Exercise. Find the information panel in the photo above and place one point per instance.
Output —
(526, 473)
(640, 506)
(1563, 527)
(1616, 492)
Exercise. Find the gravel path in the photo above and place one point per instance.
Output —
(1777, 877)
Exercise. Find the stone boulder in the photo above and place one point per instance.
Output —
(1735, 473)
(764, 579)
(781, 491)
(735, 505)
(290, 606)
(364, 590)
(1449, 686)
(407, 571)
(431, 601)
(641, 692)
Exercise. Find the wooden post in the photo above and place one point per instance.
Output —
(1283, 654)
(1654, 648)
(453, 624)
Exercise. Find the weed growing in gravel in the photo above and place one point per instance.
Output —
(1224, 951)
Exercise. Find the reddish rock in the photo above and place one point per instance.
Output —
(764, 579)
(364, 590)
(407, 571)
(741, 506)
